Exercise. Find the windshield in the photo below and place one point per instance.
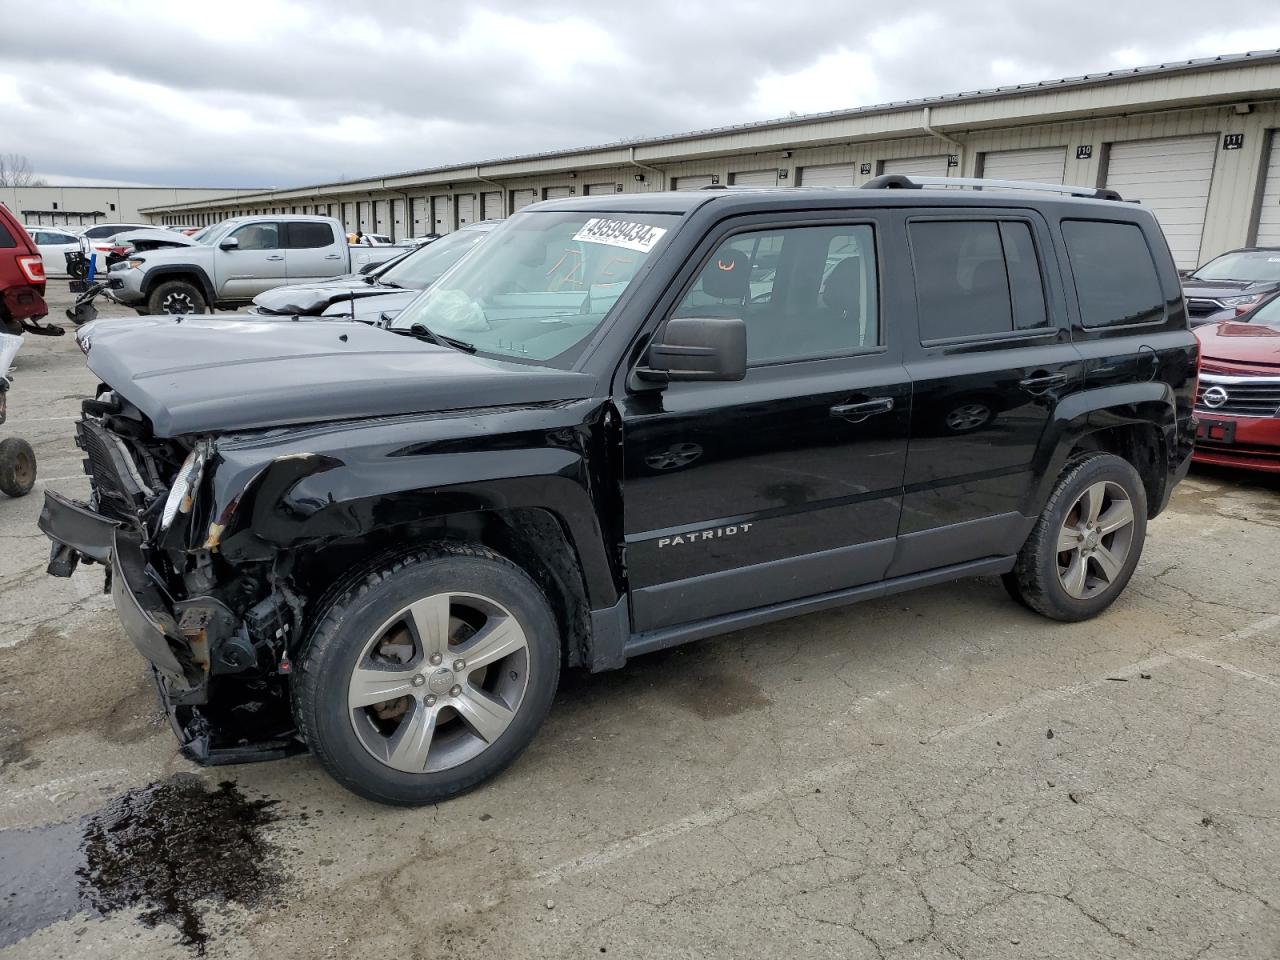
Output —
(541, 285)
(212, 234)
(1254, 267)
(422, 267)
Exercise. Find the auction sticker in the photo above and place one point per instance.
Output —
(621, 233)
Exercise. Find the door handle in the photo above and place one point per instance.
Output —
(276, 257)
(332, 256)
(862, 410)
(1043, 381)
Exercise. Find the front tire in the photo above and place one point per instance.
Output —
(428, 675)
(1086, 544)
(176, 297)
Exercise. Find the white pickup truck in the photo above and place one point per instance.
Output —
(237, 260)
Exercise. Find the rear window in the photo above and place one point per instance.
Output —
(1115, 275)
(305, 235)
(6, 238)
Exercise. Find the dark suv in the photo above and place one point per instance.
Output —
(1237, 280)
(624, 423)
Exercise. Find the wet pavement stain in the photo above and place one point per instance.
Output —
(38, 883)
(170, 850)
(716, 695)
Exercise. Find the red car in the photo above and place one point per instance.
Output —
(1238, 401)
(21, 277)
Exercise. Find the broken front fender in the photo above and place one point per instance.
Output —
(287, 490)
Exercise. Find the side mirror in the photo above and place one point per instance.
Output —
(698, 348)
(230, 243)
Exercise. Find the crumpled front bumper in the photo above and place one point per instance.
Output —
(243, 724)
(146, 613)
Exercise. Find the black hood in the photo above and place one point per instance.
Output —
(197, 374)
(309, 299)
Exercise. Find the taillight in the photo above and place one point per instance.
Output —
(119, 251)
(33, 267)
(1243, 309)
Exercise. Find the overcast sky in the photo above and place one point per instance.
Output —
(277, 93)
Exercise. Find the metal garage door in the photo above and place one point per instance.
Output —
(556, 193)
(491, 206)
(691, 183)
(916, 166)
(1171, 177)
(827, 175)
(420, 213)
(755, 178)
(521, 199)
(440, 222)
(466, 205)
(398, 227)
(1036, 166)
(348, 218)
(600, 189)
(1269, 215)
(380, 216)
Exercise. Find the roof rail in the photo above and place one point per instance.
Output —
(898, 182)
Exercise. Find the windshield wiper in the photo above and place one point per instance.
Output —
(421, 331)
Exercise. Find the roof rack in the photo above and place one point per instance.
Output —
(898, 182)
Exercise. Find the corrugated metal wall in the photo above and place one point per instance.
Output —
(1242, 198)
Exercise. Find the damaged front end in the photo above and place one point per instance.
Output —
(217, 635)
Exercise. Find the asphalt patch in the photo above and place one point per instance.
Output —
(170, 851)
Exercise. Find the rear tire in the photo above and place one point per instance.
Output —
(428, 675)
(176, 297)
(1086, 544)
(17, 467)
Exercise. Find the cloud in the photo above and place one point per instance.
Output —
(276, 93)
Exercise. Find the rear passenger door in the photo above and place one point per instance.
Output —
(786, 484)
(313, 251)
(989, 360)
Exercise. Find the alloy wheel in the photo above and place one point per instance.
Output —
(177, 303)
(1095, 540)
(439, 682)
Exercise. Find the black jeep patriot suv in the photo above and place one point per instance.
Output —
(621, 424)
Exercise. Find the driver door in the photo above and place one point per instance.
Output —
(788, 483)
(256, 264)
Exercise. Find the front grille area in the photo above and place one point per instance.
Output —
(1202, 308)
(1238, 396)
(118, 495)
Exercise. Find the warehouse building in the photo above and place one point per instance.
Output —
(82, 206)
(1197, 141)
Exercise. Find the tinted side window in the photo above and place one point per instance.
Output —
(1026, 288)
(6, 238)
(962, 288)
(308, 236)
(258, 236)
(976, 278)
(1115, 276)
(801, 291)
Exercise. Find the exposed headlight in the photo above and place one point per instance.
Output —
(183, 490)
(135, 264)
(1240, 301)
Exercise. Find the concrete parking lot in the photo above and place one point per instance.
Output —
(941, 774)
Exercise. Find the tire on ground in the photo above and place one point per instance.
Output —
(1035, 580)
(17, 467)
(359, 609)
(172, 293)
